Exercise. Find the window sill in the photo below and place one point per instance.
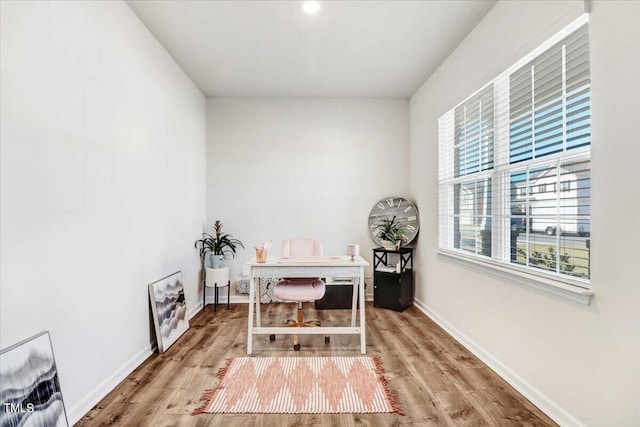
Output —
(567, 289)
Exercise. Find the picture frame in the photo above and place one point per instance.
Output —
(29, 386)
(169, 309)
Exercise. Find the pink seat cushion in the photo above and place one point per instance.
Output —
(299, 289)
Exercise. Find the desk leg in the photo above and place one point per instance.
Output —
(257, 286)
(250, 328)
(354, 302)
(363, 335)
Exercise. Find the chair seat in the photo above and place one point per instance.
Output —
(299, 289)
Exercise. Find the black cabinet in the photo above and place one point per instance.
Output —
(393, 278)
(338, 294)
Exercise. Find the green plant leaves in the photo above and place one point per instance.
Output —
(389, 230)
(221, 244)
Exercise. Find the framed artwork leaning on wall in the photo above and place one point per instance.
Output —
(29, 387)
(169, 309)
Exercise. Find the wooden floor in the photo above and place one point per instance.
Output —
(437, 381)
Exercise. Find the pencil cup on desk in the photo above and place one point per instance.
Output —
(261, 251)
(261, 255)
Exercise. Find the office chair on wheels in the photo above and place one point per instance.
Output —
(300, 289)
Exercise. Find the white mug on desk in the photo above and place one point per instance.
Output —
(353, 251)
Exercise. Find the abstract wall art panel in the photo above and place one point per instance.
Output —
(169, 310)
(29, 388)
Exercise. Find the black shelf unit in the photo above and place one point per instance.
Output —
(337, 295)
(391, 289)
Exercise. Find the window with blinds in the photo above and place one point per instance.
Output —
(515, 171)
(474, 133)
(549, 100)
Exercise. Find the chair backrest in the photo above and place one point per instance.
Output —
(301, 247)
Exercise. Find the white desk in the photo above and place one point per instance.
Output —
(308, 267)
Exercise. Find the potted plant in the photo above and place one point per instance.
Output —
(391, 232)
(217, 246)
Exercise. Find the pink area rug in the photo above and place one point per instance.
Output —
(301, 385)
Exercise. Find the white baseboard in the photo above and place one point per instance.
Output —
(222, 299)
(194, 310)
(79, 410)
(543, 402)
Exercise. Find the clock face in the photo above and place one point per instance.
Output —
(406, 218)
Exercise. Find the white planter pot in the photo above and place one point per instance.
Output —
(216, 260)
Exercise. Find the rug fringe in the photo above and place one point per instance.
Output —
(223, 371)
(209, 394)
(392, 397)
(206, 399)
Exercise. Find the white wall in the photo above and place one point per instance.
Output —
(578, 363)
(281, 168)
(103, 176)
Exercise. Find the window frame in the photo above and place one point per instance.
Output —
(574, 288)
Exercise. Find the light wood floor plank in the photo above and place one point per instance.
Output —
(438, 382)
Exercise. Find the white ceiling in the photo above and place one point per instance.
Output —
(273, 48)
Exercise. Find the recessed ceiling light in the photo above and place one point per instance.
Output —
(311, 6)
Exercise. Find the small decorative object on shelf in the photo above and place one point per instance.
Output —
(217, 246)
(393, 278)
(353, 251)
(388, 245)
(391, 233)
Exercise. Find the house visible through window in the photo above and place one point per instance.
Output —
(515, 171)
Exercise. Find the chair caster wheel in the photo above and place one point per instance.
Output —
(296, 347)
(327, 339)
(272, 337)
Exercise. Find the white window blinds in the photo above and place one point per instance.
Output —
(549, 106)
(474, 133)
(514, 172)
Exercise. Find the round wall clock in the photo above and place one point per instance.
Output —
(402, 210)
